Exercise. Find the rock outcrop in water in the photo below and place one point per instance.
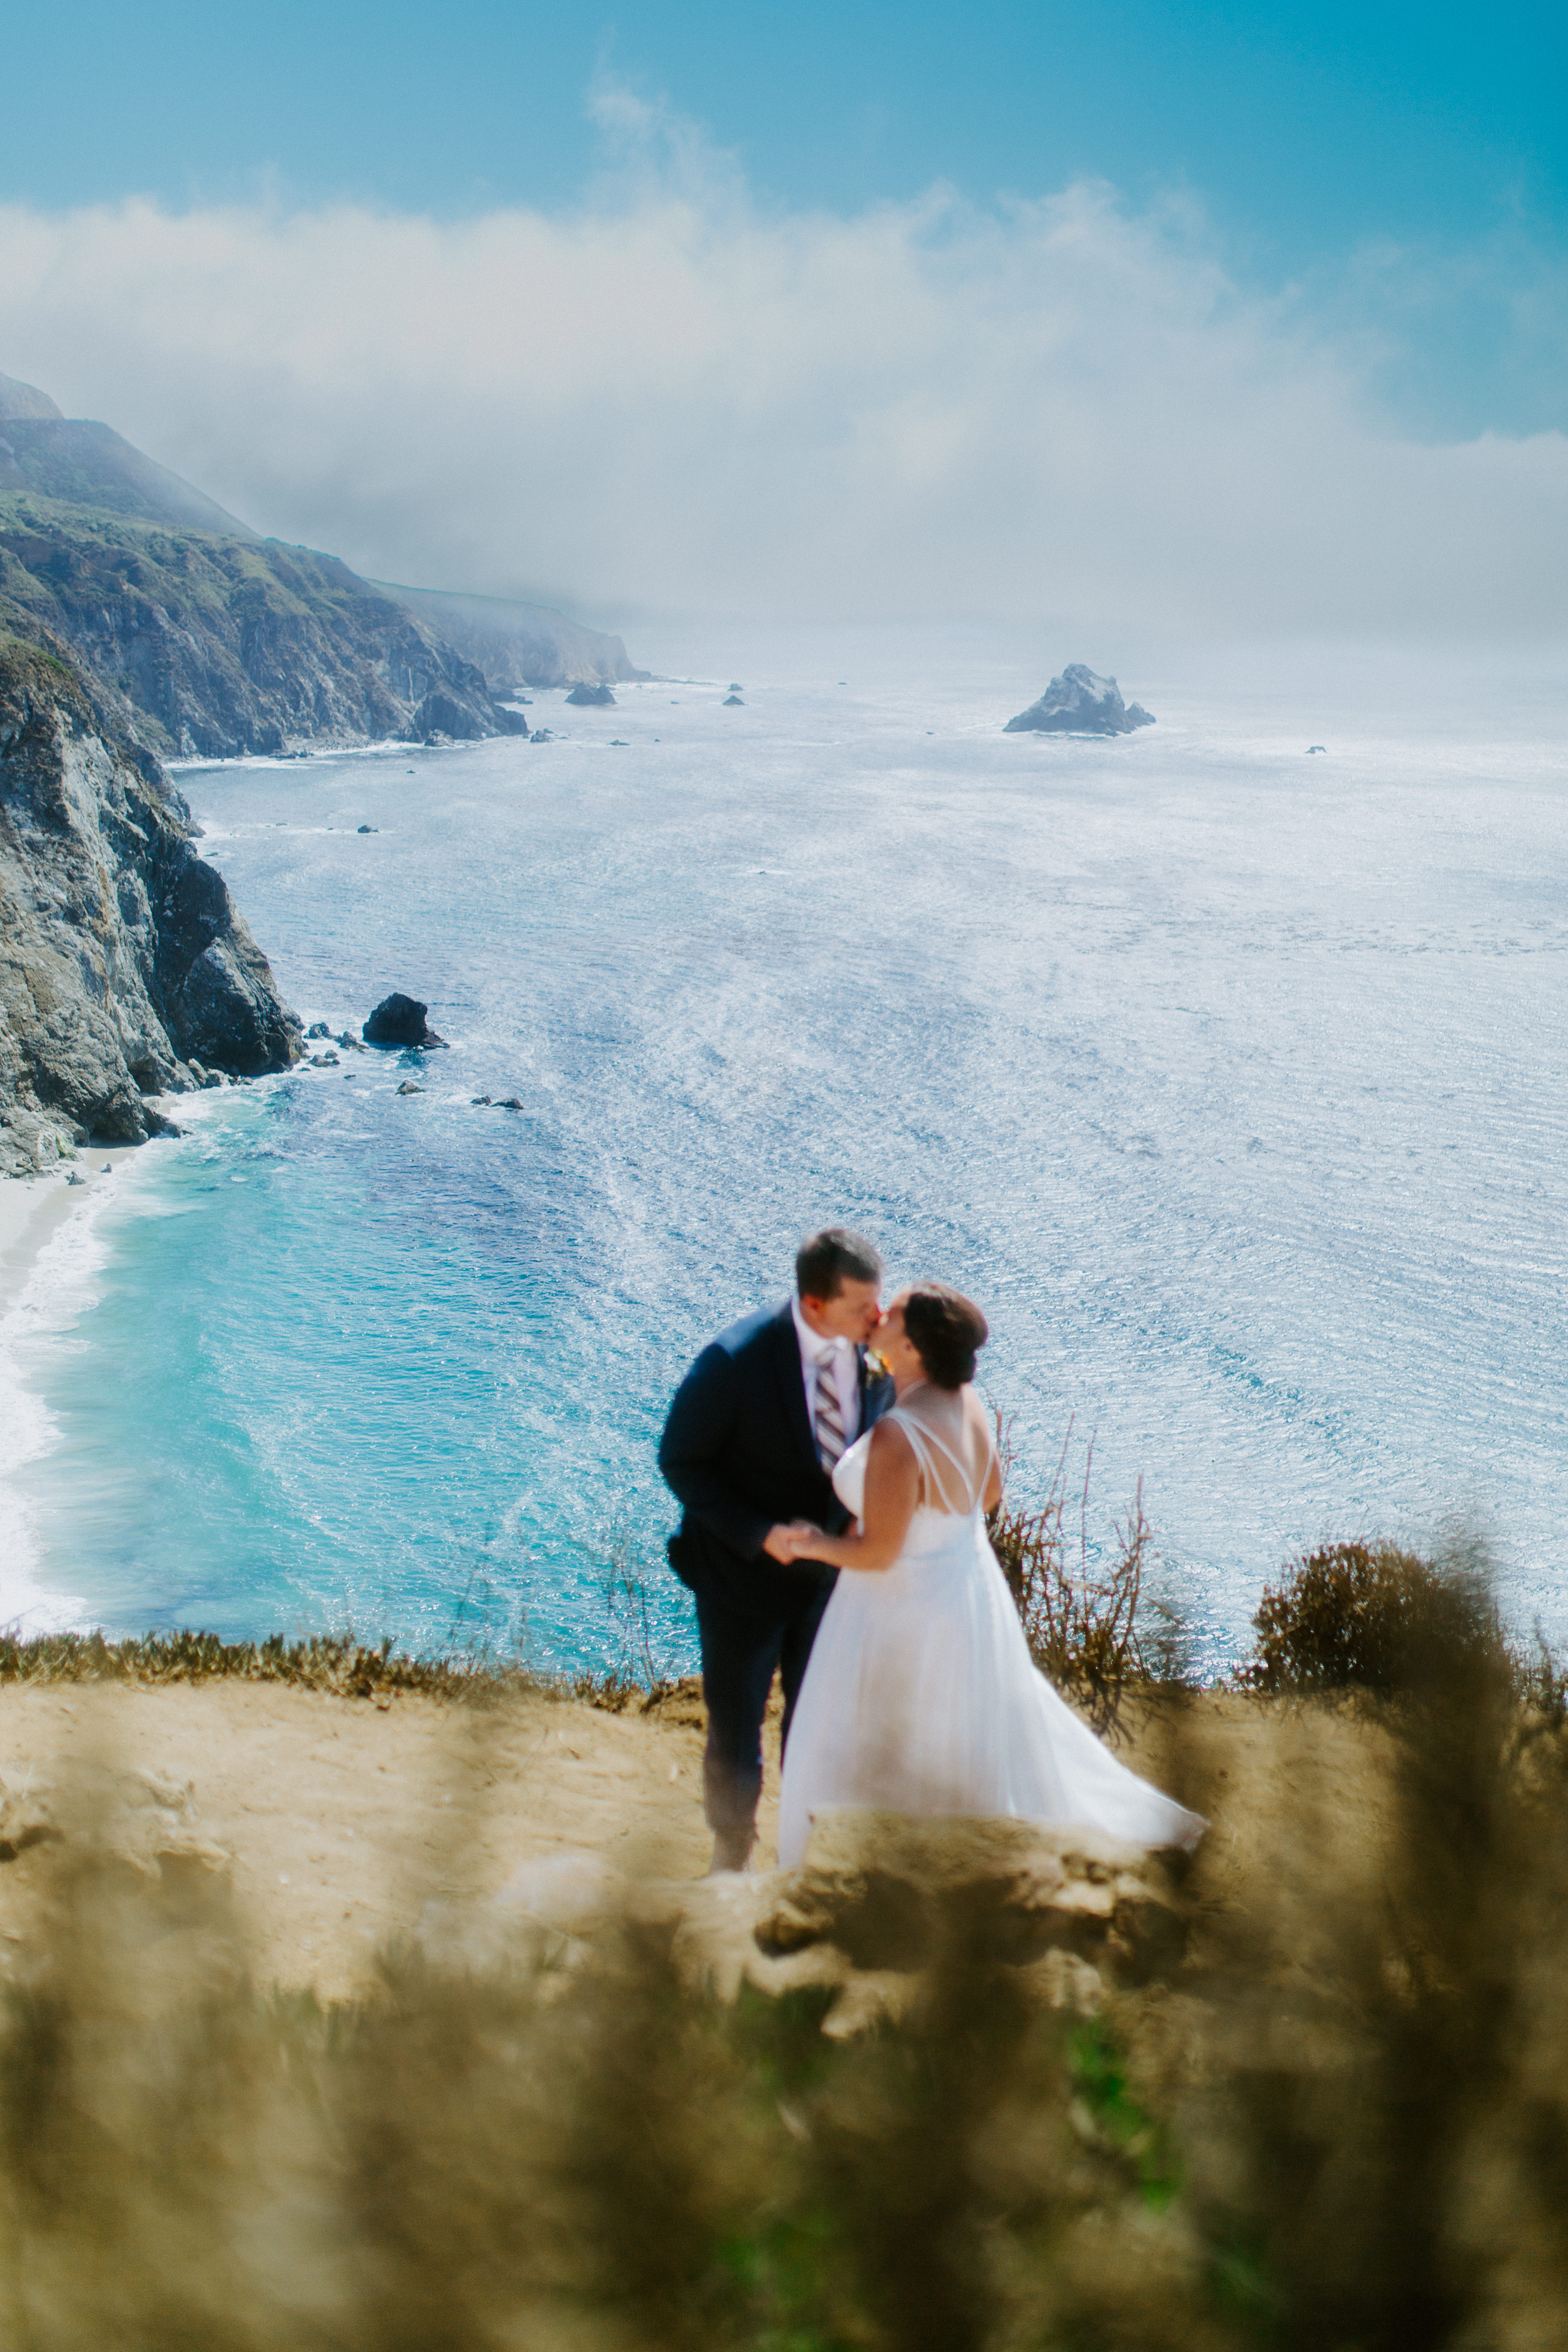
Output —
(125, 970)
(399, 1020)
(1080, 703)
(591, 698)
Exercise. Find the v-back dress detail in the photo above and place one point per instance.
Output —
(921, 1696)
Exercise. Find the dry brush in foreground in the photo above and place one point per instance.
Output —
(1315, 2118)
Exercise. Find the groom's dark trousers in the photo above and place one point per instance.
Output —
(740, 1453)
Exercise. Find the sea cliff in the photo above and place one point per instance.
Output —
(216, 642)
(125, 970)
(223, 645)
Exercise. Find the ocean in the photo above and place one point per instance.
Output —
(1228, 1076)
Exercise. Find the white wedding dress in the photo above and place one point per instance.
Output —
(921, 1697)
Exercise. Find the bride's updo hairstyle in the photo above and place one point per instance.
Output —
(946, 1331)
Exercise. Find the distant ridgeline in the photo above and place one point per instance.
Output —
(213, 641)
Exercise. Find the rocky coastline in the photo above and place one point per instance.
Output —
(126, 972)
(214, 643)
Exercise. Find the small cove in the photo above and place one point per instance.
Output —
(1225, 1079)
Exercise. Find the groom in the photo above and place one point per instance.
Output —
(755, 1429)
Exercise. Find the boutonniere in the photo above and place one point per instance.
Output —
(874, 1363)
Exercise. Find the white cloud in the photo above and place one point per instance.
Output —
(669, 402)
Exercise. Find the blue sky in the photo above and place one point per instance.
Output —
(1306, 128)
(1309, 133)
(1222, 312)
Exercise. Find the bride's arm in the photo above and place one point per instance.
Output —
(892, 1491)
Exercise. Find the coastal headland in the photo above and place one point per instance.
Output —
(214, 642)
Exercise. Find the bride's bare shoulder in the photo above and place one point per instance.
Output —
(892, 1450)
(889, 1440)
(974, 1413)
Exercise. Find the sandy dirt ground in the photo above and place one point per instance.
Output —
(341, 1822)
(341, 1819)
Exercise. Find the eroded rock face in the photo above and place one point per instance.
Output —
(222, 645)
(1080, 703)
(122, 958)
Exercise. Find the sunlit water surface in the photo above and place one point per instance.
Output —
(1230, 1079)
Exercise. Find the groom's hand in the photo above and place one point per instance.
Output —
(794, 1542)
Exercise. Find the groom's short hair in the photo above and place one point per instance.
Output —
(832, 1257)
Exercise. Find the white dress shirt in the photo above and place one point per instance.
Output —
(832, 1359)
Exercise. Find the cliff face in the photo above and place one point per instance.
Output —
(222, 641)
(124, 969)
(223, 645)
(518, 645)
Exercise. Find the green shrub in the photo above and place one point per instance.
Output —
(1367, 1617)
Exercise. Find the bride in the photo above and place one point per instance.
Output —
(921, 1696)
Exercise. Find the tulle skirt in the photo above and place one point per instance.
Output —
(921, 1698)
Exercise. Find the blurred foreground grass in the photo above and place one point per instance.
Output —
(1332, 2112)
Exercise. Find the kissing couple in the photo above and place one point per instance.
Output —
(833, 1505)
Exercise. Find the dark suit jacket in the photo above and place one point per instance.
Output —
(737, 1451)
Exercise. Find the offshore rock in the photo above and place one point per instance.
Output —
(591, 698)
(1080, 703)
(399, 1020)
(446, 717)
(121, 955)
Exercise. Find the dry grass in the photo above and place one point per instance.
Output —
(336, 1663)
(1336, 2119)
(579, 2147)
(1079, 1614)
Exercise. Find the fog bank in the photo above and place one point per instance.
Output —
(668, 403)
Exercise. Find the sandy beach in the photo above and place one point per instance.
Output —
(33, 1211)
(34, 1208)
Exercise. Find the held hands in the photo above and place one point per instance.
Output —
(788, 1544)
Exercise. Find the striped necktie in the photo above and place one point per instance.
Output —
(829, 1412)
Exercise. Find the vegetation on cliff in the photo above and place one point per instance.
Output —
(222, 641)
(223, 645)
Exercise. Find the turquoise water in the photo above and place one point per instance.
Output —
(1228, 1080)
